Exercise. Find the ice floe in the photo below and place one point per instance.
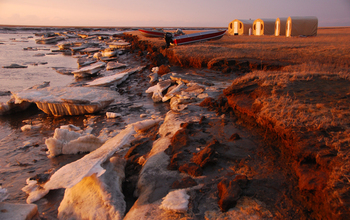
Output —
(67, 100)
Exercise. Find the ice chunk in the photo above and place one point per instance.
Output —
(109, 52)
(89, 70)
(114, 65)
(96, 197)
(67, 100)
(155, 69)
(3, 194)
(117, 78)
(158, 89)
(120, 44)
(11, 107)
(70, 127)
(172, 92)
(176, 201)
(153, 77)
(29, 127)
(71, 174)
(113, 115)
(71, 142)
(34, 190)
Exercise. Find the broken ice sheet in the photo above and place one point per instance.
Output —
(71, 174)
(68, 100)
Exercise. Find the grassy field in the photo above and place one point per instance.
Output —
(327, 52)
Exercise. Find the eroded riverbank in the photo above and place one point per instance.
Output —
(300, 108)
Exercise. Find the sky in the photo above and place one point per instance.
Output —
(165, 13)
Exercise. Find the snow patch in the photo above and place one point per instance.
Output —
(176, 201)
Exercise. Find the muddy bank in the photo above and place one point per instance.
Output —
(316, 151)
(303, 118)
(159, 55)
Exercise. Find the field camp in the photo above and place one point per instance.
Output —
(282, 26)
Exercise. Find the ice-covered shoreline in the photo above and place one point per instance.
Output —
(196, 163)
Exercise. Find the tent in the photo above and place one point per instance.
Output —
(297, 26)
(280, 26)
(264, 27)
(239, 27)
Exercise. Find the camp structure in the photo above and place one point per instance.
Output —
(239, 27)
(280, 26)
(264, 26)
(301, 26)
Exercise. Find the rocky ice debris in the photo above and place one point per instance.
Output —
(90, 166)
(60, 101)
(158, 89)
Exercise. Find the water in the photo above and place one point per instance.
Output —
(12, 51)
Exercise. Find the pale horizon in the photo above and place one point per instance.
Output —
(155, 13)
